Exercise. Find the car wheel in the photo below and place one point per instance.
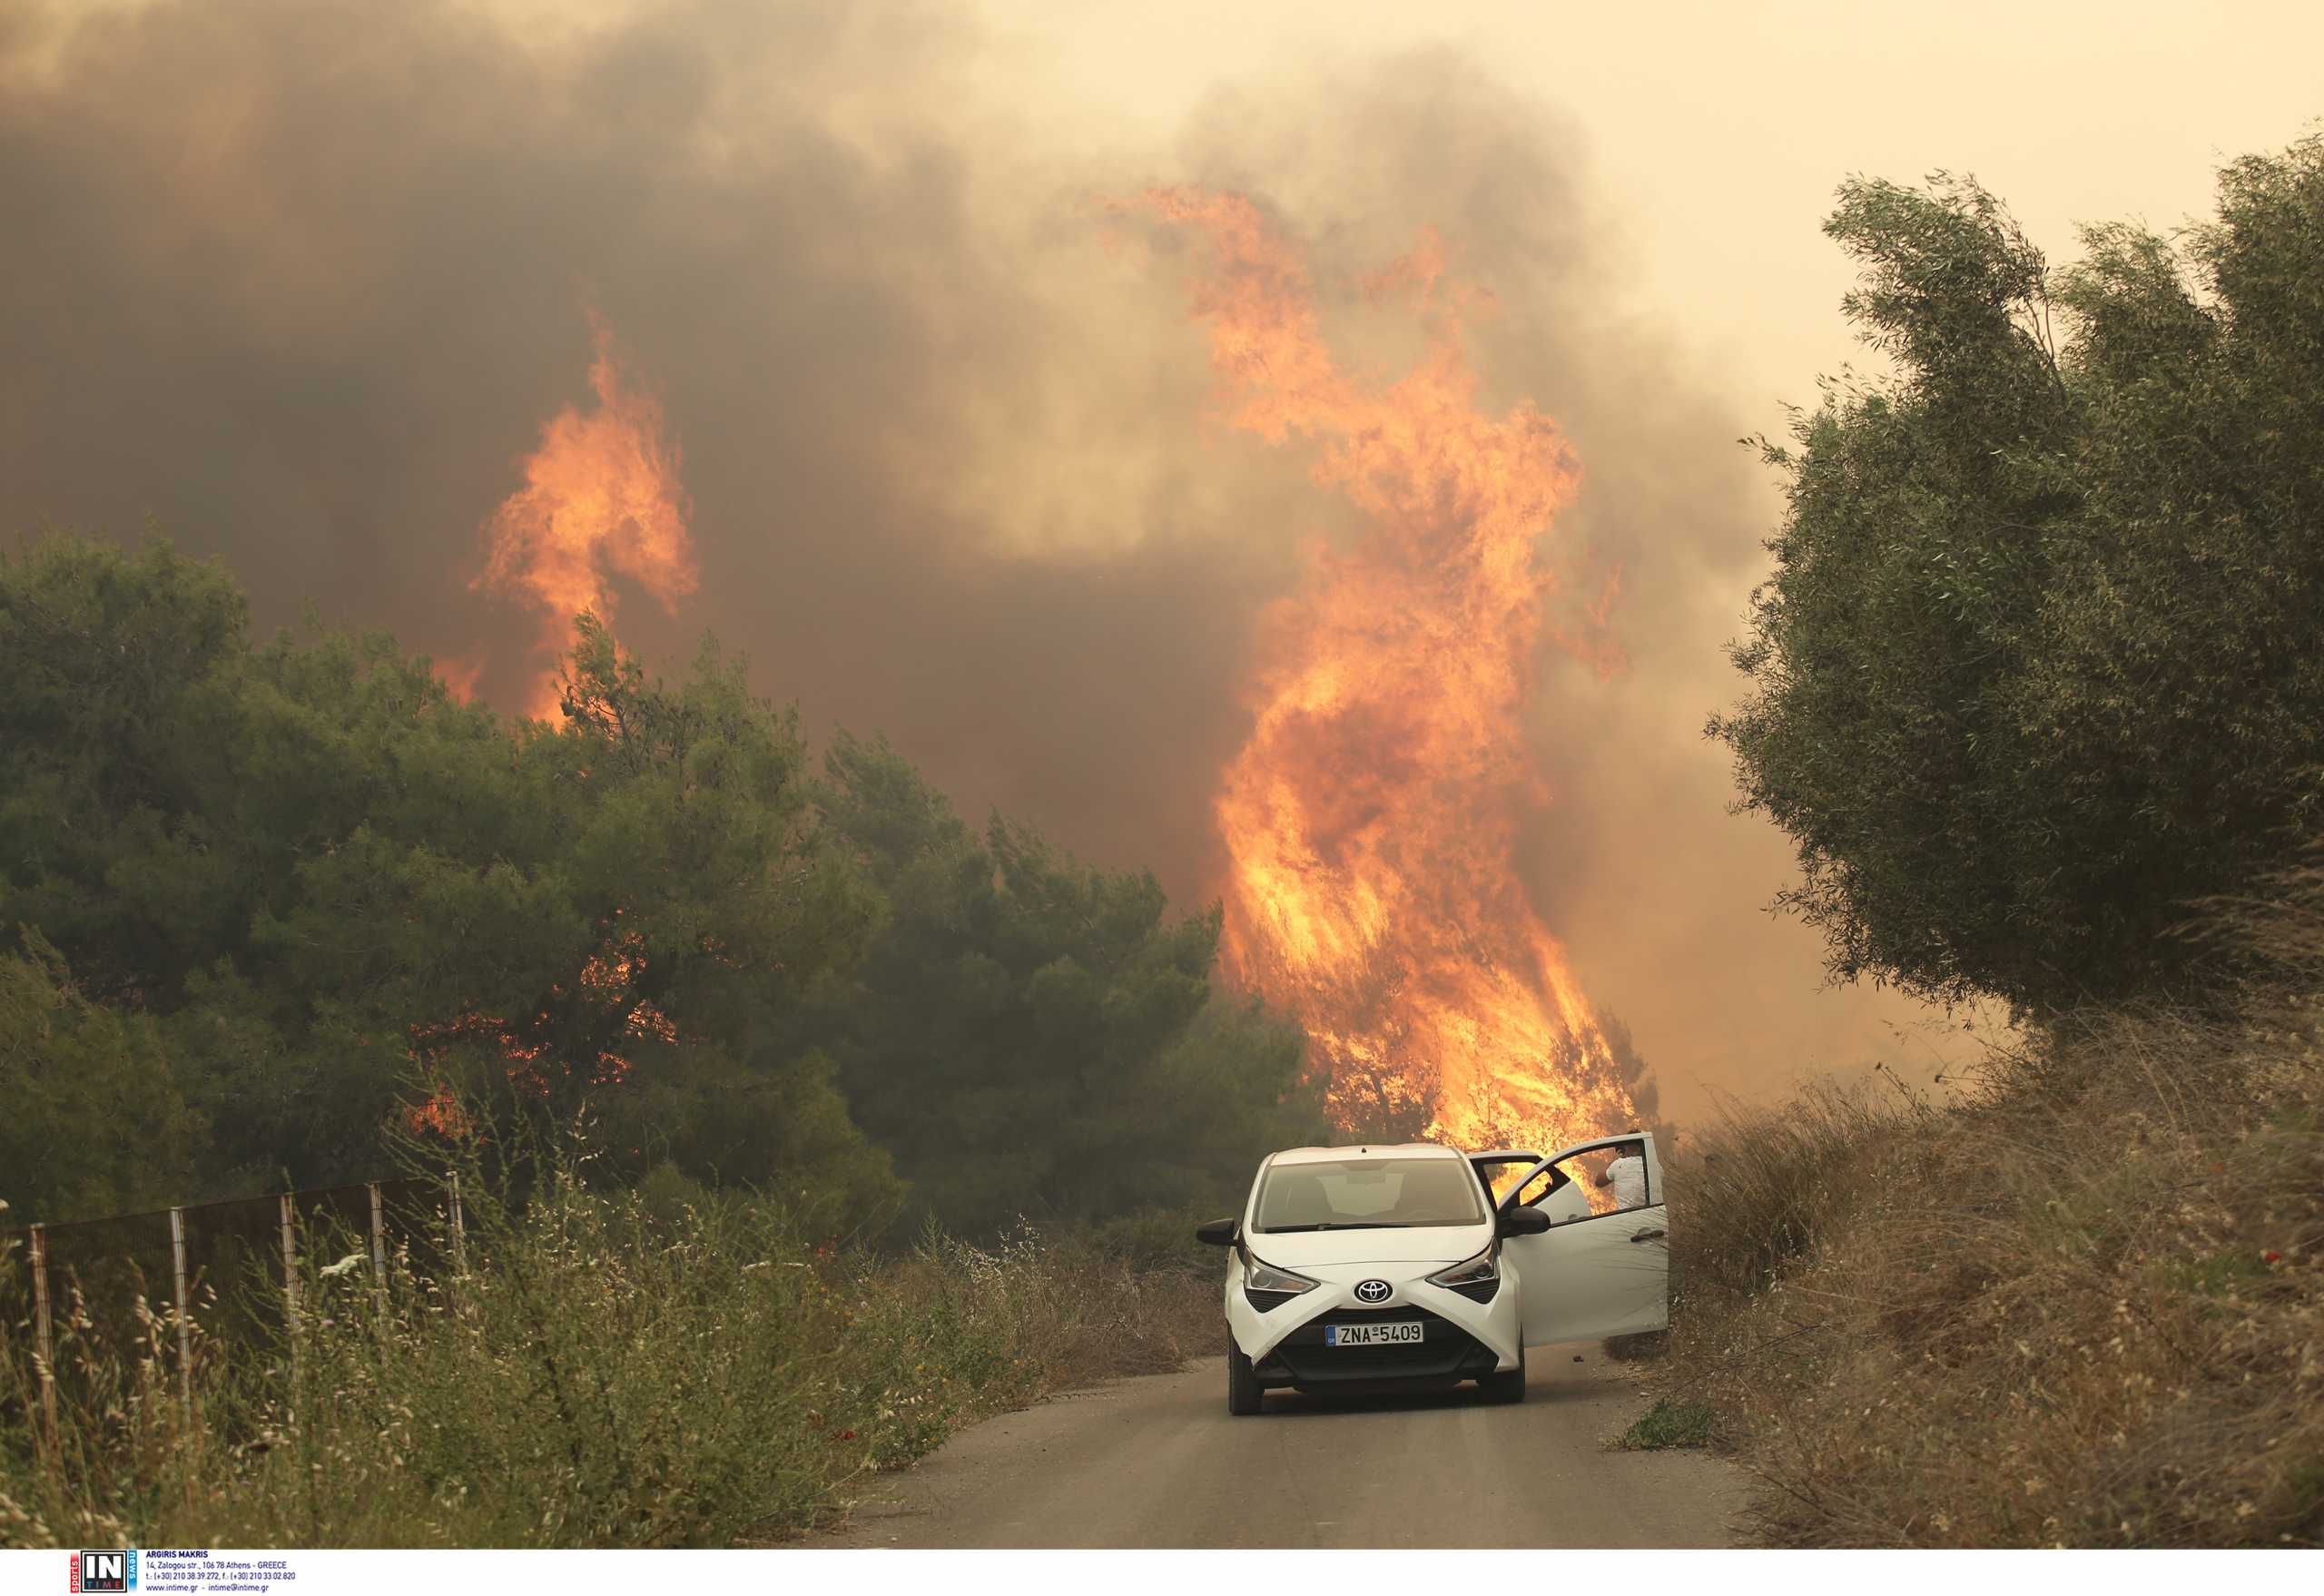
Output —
(1244, 1391)
(1506, 1385)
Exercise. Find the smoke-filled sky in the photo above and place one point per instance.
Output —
(299, 282)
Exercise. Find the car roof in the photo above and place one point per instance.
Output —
(1410, 1150)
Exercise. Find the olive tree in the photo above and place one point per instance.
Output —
(2042, 659)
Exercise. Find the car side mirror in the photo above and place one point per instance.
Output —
(1523, 1222)
(1218, 1232)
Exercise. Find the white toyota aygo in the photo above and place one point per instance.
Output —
(1359, 1268)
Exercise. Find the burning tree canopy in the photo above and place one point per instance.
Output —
(1371, 819)
(602, 498)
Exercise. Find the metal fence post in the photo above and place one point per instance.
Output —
(41, 1336)
(378, 1254)
(185, 1332)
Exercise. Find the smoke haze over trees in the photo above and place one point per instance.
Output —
(951, 475)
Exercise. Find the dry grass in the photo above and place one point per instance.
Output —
(2085, 1307)
(604, 1377)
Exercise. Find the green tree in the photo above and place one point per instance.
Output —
(2042, 659)
(331, 889)
(120, 698)
(96, 1122)
(1028, 1035)
(312, 901)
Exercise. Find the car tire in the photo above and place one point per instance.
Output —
(1505, 1385)
(1244, 1391)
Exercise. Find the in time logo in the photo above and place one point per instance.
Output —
(106, 1571)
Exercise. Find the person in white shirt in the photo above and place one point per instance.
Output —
(1627, 1175)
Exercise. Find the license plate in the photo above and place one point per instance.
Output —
(1394, 1335)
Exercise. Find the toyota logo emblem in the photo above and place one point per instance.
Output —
(1372, 1291)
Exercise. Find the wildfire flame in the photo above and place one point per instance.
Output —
(601, 498)
(607, 989)
(1372, 820)
(461, 674)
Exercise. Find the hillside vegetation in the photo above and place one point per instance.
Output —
(2038, 690)
(801, 1120)
(268, 905)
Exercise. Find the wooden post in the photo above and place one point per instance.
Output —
(460, 1225)
(291, 1297)
(378, 1254)
(290, 1259)
(42, 1339)
(185, 1331)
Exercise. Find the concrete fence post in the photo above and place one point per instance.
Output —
(184, 1311)
(44, 1341)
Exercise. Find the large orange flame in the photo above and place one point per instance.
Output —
(601, 498)
(1370, 822)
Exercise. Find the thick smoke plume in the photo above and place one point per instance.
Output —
(300, 281)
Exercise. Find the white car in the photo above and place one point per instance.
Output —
(1368, 1266)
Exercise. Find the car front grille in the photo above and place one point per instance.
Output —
(1444, 1352)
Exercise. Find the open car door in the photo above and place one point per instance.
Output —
(1603, 1267)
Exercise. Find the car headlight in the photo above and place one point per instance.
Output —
(1270, 1287)
(1477, 1279)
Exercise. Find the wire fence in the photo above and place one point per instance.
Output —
(236, 1266)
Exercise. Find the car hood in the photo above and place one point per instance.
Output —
(1429, 1244)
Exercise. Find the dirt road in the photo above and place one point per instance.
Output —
(1158, 1462)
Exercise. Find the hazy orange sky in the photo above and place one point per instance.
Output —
(301, 279)
(1713, 135)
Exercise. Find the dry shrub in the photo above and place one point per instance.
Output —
(2085, 1306)
(604, 1375)
(1068, 1312)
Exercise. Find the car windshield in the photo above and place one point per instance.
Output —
(1367, 1194)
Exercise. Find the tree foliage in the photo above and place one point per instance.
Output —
(1031, 1036)
(284, 900)
(2042, 660)
(95, 1121)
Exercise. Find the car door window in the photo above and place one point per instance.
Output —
(1500, 1171)
(1590, 1183)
